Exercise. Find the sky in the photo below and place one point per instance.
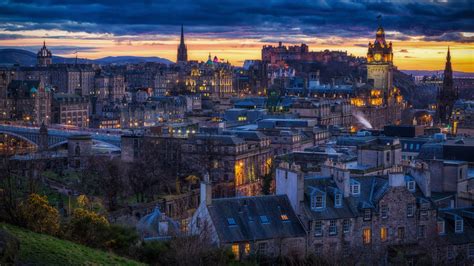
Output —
(234, 30)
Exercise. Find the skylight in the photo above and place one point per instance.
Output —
(231, 221)
(264, 219)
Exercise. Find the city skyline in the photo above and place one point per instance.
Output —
(419, 38)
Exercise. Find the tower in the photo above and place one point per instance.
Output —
(380, 63)
(182, 49)
(43, 138)
(44, 56)
(447, 96)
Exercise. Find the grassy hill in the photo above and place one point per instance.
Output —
(39, 249)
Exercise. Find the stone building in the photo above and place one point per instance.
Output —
(357, 218)
(44, 56)
(328, 112)
(250, 226)
(29, 101)
(70, 109)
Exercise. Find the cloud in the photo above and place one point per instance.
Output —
(60, 49)
(450, 37)
(403, 51)
(240, 19)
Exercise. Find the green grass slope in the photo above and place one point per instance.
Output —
(39, 249)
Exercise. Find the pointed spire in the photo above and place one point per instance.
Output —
(182, 35)
(448, 57)
(44, 43)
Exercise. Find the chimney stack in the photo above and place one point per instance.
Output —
(206, 190)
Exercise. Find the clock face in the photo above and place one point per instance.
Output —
(377, 57)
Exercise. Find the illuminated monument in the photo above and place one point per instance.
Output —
(379, 101)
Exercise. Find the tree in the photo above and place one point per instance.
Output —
(104, 177)
(37, 215)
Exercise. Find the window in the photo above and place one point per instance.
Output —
(450, 252)
(458, 225)
(262, 248)
(411, 186)
(470, 251)
(388, 157)
(410, 210)
(383, 233)
(264, 219)
(338, 200)
(247, 249)
(318, 228)
(440, 227)
(346, 226)
(384, 211)
(421, 231)
(401, 233)
(355, 187)
(332, 227)
(318, 201)
(367, 215)
(231, 221)
(284, 217)
(424, 215)
(366, 236)
(235, 250)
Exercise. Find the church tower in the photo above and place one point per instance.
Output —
(447, 95)
(380, 63)
(44, 56)
(182, 49)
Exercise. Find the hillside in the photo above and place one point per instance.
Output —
(39, 249)
(27, 58)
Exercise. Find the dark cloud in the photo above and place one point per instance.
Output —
(261, 20)
(60, 49)
(403, 51)
(451, 36)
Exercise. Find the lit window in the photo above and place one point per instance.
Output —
(458, 225)
(366, 235)
(231, 221)
(332, 227)
(384, 211)
(318, 228)
(346, 226)
(247, 249)
(264, 219)
(235, 250)
(383, 233)
(440, 227)
(410, 210)
(284, 217)
(401, 233)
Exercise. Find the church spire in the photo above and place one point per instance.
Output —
(182, 49)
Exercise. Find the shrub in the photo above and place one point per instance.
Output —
(37, 215)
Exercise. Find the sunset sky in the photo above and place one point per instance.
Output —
(236, 30)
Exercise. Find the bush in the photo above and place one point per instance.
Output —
(36, 214)
(88, 228)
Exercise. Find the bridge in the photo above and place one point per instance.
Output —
(58, 137)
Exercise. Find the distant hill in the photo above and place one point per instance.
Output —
(27, 58)
(434, 72)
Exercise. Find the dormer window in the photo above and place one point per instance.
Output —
(318, 200)
(355, 187)
(367, 215)
(338, 200)
(411, 186)
(264, 219)
(231, 221)
(458, 225)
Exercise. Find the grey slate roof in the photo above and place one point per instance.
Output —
(246, 212)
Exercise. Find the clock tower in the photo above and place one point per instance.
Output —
(380, 63)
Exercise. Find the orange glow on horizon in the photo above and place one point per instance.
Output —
(408, 55)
